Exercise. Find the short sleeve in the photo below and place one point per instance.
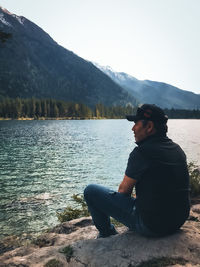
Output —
(136, 165)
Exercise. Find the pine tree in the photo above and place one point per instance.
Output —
(61, 108)
(97, 111)
(55, 111)
(32, 108)
(43, 108)
(18, 107)
(38, 109)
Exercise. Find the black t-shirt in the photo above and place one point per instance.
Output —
(162, 188)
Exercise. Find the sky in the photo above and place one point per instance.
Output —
(156, 40)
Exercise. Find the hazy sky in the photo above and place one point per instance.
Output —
(149, 39)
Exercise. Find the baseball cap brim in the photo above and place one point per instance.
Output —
(132, 118)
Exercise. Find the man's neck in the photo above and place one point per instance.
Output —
(150, 137)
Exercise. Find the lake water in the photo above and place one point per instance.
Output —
(43, 163)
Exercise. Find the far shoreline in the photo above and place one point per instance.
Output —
(55, 118)
(75, 118)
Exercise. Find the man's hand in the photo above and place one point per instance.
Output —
(127, 185)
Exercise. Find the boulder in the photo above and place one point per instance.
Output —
(73, 244)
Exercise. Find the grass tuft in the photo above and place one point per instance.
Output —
(68, 251)
(53, 263)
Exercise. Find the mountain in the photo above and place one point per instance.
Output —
(161, 94)
(32, 64)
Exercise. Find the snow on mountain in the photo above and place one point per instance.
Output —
(3, 20)
(20, 19)
(120, 76)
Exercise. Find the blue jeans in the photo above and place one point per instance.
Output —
(103, 203)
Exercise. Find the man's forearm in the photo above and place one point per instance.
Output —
(124, 190)
(126, 186)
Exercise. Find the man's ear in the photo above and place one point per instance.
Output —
(151, 129)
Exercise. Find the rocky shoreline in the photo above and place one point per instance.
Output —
(73, 244)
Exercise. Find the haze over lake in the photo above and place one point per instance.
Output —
(43, 163)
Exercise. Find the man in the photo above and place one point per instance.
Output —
(157, 169)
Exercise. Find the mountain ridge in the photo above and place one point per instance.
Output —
(154, 92)
(34, 65)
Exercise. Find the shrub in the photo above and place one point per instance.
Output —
(194, 174)
(70, 213)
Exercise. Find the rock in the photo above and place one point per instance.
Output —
(196, 208)
(71, 226)
(9, 243)
(73, 244)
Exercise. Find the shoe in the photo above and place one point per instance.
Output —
(112, 232)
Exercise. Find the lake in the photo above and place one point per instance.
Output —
(43, 163)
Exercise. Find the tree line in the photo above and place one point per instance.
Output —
(183, 113)
(50, 108)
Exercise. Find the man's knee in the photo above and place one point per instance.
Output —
(89, 191)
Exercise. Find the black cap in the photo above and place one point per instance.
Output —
(149, 112)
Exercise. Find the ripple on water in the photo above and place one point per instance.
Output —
(43, 163)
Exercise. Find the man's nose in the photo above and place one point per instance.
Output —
(133, 127)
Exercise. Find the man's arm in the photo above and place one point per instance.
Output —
(127, 185)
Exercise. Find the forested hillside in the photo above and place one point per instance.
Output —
(33, 65)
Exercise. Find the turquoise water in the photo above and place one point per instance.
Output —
(43, 163)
